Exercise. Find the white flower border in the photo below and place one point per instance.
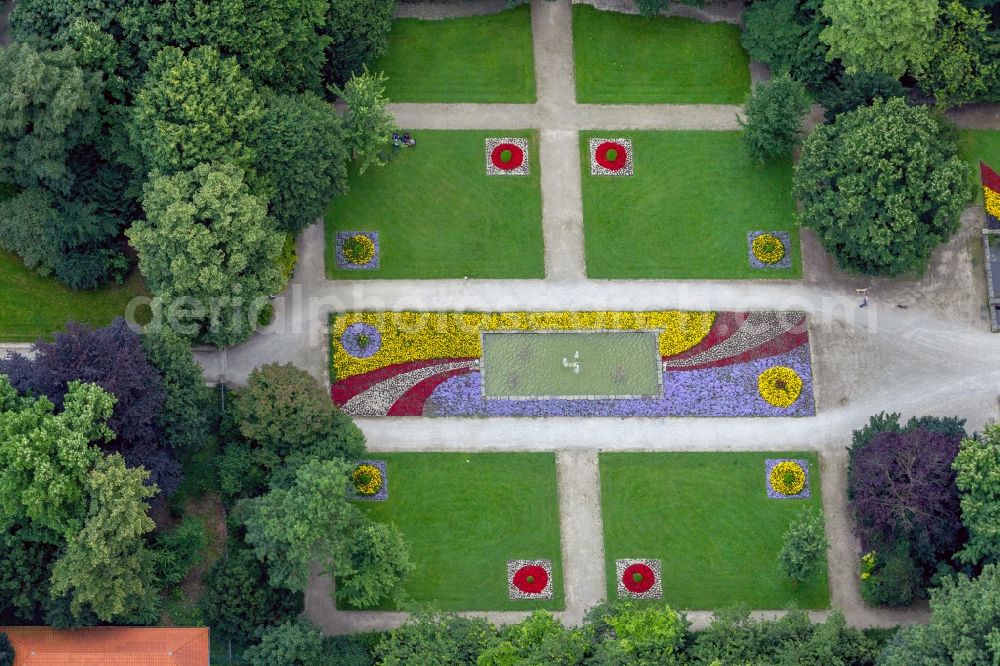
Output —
(655, 592)
(522, 170)
(515, 593)
(597, 170)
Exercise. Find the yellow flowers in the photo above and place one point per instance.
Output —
(867, 565)
(768, 249)
(367, 479)
(788, 478)
(991, 199)
(779, 386)
(359, 249)
(413, 336)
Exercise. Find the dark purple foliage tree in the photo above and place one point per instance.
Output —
(902, 487)
(112, 358)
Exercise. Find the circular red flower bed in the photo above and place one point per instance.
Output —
(638, 578)
(611, 155)
(513, 154)
(531, 579)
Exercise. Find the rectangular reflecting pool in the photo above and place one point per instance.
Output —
(592, 365)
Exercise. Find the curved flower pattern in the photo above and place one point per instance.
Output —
(780, 386)
(361, 340)
(639, 579)
(786, 478)
(611, 157)
(369, 481)
(507, 157)
(529, 579)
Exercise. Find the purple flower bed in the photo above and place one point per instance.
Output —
(346, 264)
(361, 340)
(774, 494)
(723, 391)
(786, 242)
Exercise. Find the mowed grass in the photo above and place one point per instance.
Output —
(976, 145)
(624, 59)
(686, 211)
(707, 517)
(474, 59)
(464, 515)
(33, 306)
(439, 215)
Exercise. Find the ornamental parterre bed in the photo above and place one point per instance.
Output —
(529, 579)
(507, 157)
(712, 364)
(611, 157)
(759, 259)
(786, 478)
(639, 579)
(357, 250)
(375, 491)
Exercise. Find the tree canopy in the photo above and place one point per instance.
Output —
(977, 475)
(882, 186)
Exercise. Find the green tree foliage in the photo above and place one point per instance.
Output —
(964, 628)
(283, 408)
(773, 116)
(959, 66)
(239, 602)
(288, 644)
(277, 42)
(854, 90)
(540, 640)
(784, 34)
(48, 106)
(803, 549)
(367, 125)
(7, 653)
(107, 566)
(207, 246)
(435, 639)
(302, 157)
(734, 637)
(183, 418)
(977, 468)
(376, 562)
(894, 579)
(359, 33)
(289, 528)
(27, 224)
(27, 554)
(179, 549)
(882, 186)
(195, 107)
(45, 458)
(891, 36)
(641, 635)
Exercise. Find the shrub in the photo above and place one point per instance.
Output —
(804, 547)
(441, 638)
(180, 549)
(856, 90)
(893, 578)
(773, 117)
(288, 644)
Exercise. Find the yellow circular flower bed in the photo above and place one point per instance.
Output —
(359, 249)
(768, 249)
(780, 386)
(367, 479)
(788, 478)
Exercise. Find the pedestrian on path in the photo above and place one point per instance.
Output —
(864, 297)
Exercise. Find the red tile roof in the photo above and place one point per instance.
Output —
(109, 646)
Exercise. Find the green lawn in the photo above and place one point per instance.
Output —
(439, 215)
(687, 210)
(464, 515)
(475, 59)
(976, 145)
(624, 59)
(707, 517)
(34, 306)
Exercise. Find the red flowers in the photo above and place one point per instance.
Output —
(513, 154)
(611, 155)
(531, 579)
(638, 578)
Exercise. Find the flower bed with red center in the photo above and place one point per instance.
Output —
(507, 157)
(611, 157)
(529, 579)
(639, 579)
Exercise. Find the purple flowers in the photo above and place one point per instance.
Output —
(785, 261)
(357, 250)
(361, 340)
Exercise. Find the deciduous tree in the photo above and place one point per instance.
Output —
(882, 186)
(773, 116)
(803, 550)
(891, 36)
(977, 475)
(289, 644)
(368, 126)
(359, 33)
